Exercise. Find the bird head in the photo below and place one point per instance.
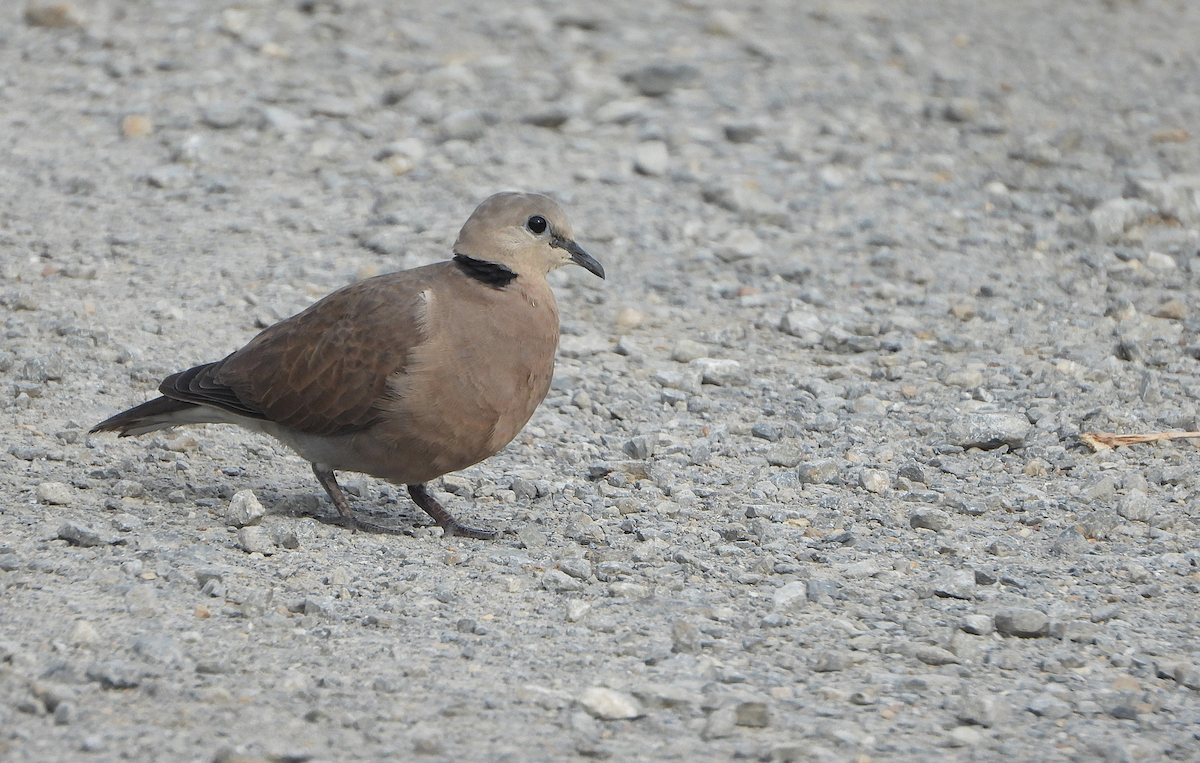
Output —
(525, 232)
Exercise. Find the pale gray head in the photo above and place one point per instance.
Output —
(526, 232)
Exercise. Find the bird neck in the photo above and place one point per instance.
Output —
(488, 273)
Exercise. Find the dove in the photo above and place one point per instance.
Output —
(406, 376)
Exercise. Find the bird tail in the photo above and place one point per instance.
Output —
(159, 413)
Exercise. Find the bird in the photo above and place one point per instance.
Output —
(405, 376)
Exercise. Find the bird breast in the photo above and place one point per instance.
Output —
(472, 385)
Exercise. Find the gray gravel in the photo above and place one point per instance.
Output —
(808, 486)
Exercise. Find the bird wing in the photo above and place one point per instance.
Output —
(323, 370)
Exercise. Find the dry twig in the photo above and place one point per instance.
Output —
(1099, 441)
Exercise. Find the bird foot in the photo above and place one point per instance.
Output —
(445, 519)
(361, 525)
(466, 531)
(421, 497)
(348, 518)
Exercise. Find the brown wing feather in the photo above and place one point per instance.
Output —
(323, 370)
(196, 385)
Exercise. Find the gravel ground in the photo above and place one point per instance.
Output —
(809, 484)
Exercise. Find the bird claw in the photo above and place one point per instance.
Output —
(358, 525)
(466, 531)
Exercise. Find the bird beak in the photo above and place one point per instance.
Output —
(578, 256)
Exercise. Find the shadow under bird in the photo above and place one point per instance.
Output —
(405, 376)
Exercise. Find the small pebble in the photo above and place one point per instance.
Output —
(1023, 623)
(964, 736)
(934, 655)
(687, 350)
(819, 472)
(255, 539)
(56, 493)
(136, 126)
(752, 714)
(630, 318)
(956, 584)
(1068, 543)
(531, 537)
(1049, 706)
(79, 535)
(929, 519)
(784, 455)
(54, 15)
(142, 601)
(685, 637)
(652, 158)
(466, 125)
(1135, 506)
(981, 710)
(987, 431)
(657, 80)
(1173, 309)
(609, 704)
(831, 662)
(978, 625)
(874, 480)
(558, 581)
(83, 633)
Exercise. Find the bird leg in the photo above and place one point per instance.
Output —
(328, 481)
(421, 497)
(448, 523)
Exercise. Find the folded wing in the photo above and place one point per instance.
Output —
(323, 370)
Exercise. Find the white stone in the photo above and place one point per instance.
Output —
(1110, 220)
(255, 539)
(56, 493)
(141, 601)
(803, 325)
(721, 372)
(466, 124)
(83, 633)
(547, 699)
(791, 596)
(168, 176)
(412, 148)
(243, 509)
(283, 121)
(834, 177)
(1178, 196)
(688, 350)
(572, 346)
(686, 381)
(609, 704)
(874, 480)
(723, 22)
(620, 111)
(1161, 262)
(576, 609)
(651, 158)
(964, 736)
(740, 244)
(867, 568)
(558, 581)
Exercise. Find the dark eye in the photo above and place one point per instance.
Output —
(537, 225)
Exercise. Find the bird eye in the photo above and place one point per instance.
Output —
(537, 225)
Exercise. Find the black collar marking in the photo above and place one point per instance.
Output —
(491, 273)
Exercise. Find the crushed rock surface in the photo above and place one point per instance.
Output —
(808, 485)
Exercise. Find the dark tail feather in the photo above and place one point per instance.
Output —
(147, 417)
